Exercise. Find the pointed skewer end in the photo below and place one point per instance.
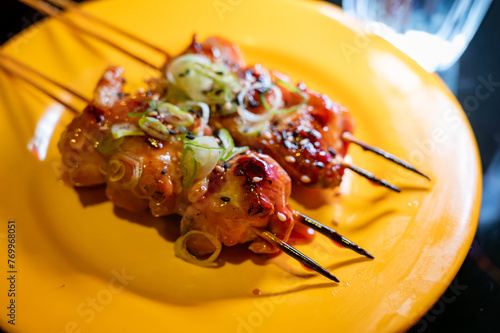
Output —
(350, 138)
(368, 255)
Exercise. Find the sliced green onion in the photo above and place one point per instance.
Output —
(291, 88)
(154, 127)
(263, 100)
(117, 168)
(295, 90)
(205, 110)
(205, 152)
(252, 128)
(236, 151)
(125, 129)
(175, 115)
(109, 144)
(182, 251)
(189, 166)
(228, 143)
(201, 80)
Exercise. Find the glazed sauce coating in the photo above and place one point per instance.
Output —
(305, 142)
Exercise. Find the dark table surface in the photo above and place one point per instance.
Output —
(472, 302)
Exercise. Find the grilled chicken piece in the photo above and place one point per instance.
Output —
(252, 192)
(140, 172)
(305, 142)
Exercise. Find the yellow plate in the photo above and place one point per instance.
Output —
(84, 266)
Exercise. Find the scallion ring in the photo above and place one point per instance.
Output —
(182, 251)
(175, 115)
(205, 110)
(154, 127)
(125, 129)
(109, 144)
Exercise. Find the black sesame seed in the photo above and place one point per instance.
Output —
(163, 172)
(171, 132)
(185, 73)
(332, 151)
(225, 199)
(226, 165)
(190, 136)
(149, 93)
(290, 124)
(121, 95)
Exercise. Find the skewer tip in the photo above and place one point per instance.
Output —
(295, 254)
(331, 234)
(350, 138)
(368, 255)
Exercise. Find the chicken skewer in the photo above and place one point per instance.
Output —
(306, 132)
(142, 165)
(310, 168)
(115, 74)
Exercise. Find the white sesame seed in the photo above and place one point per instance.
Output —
(282, 217)
(152, 113)
(290, 138)
(266, 134)
(304, 142)
(219, 168)
(305, 179)
(257, 179)
(290, 159)
(322, 153)
(227, 106)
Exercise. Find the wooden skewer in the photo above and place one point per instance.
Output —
(43, 76)
(72, 6)
(295, 254)
(332, 234)
(368, 175)
(350, 138)
(41, 88)
(56, 13)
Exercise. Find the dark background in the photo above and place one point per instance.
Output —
(472, 302)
